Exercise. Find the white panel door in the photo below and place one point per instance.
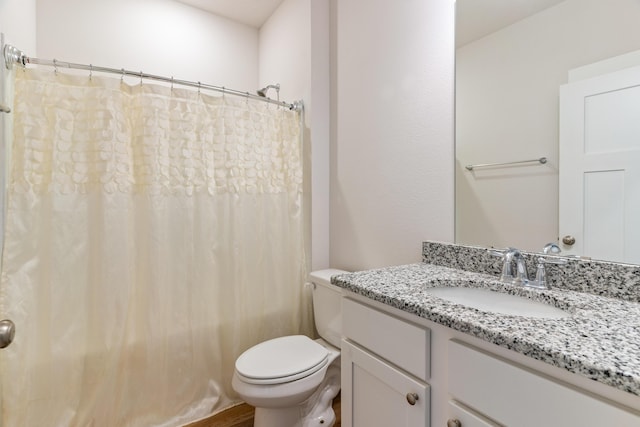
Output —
(600, 166)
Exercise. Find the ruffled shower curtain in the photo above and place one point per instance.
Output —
(152, 235)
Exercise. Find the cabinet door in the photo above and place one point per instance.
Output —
(376, 394)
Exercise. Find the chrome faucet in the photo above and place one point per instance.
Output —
(514, 268)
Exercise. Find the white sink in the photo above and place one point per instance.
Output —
(496, 302)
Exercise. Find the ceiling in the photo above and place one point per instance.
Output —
(476, 19)
(249, 12)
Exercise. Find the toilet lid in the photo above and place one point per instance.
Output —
(281, 360)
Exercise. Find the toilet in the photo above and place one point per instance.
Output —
(292, 380)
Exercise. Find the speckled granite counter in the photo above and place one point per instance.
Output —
(600, 340)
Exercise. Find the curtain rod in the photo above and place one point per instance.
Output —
(13, 55)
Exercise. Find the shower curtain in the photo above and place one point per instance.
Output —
(152, 235)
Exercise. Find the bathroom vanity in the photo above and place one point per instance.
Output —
(415, 359)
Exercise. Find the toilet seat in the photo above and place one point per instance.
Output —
(281, 360)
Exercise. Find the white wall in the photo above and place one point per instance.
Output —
(18, 23)
(285, 50)
(319, 113)
(392, 150)
(156, 36)
(294, 51)
(507, 87)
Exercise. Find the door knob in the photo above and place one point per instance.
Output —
(7, 332)
(412, 398)
(568, 240)
(454, 423)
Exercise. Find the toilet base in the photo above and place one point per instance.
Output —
(273, 417)
(317, 411)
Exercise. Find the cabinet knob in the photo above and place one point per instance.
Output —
(412, 398)
(7, 332)
(568, 240)
(454, 423)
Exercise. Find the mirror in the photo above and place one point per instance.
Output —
(511, 59)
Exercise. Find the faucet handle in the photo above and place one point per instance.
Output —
(552, 260)
(551, 249)
(501, 252)
(497, 252)
(540, 281)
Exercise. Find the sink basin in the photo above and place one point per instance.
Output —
(496, 302)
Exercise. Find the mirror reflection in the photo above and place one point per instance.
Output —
(512, 58)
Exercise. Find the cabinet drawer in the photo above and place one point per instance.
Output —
(515, 396)
(467, 417)
(401, 343)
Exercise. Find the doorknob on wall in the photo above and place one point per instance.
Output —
(568, 240)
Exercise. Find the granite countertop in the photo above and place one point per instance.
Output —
(600, 340)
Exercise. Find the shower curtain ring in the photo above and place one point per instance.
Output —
(122, 75)
(55, 66)
(199, 84)
(140, 77)
(171, 82)
(90, 71)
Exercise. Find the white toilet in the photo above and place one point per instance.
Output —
(292, 380)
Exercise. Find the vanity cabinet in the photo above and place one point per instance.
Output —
(383, 382)
(402, 370)
(515, 396)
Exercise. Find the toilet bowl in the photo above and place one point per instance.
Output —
(292, 380)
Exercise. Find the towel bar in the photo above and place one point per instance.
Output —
(541, 160)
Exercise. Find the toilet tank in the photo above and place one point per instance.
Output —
(327, 305)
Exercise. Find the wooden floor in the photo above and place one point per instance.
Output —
(242, 416)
